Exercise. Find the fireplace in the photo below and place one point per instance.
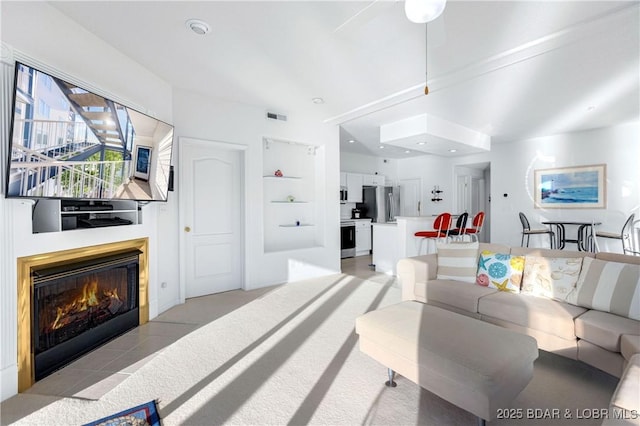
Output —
(79, 306)
(73, 301)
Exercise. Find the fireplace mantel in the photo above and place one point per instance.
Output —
(25, 292)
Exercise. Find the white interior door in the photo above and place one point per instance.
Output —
(410, 203)
(211, 192)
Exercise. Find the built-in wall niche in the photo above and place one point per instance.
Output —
(293, 181)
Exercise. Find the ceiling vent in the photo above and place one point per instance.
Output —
(275, 116)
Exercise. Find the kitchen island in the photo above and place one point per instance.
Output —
(393, 241)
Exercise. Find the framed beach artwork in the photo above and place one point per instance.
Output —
(582, 187)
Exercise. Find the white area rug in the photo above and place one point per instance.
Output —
(291, 357)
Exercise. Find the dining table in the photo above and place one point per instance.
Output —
(583, 232)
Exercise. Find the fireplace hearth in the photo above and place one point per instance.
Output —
(79, 306)
(74, 300)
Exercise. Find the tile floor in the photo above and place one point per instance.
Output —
(96, 373)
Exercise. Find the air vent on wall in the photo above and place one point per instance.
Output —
(274, 116)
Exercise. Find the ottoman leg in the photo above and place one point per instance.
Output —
(390, 383)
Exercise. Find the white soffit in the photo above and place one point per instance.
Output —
(431, 135)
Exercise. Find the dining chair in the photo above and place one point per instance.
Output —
(624, 235)
(441, 224)
(528, 232)
(461, 224)
(635, 238)
(476, 226)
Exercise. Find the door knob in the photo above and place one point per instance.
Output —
(187, 229)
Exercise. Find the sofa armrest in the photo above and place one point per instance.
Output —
(625, 404)
(412, 270)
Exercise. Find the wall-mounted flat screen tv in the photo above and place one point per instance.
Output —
(69, 143)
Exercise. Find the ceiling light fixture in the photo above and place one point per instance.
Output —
(351, 141)
(381, 147)
(421, 143)
(423, 11)
(453, 150)
(407, 152)
(197, 26)
(317, 100)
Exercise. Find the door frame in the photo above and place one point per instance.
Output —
(185, 142)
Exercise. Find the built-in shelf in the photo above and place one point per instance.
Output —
(67, 215)
(75, 213)
(299, 183)
(280, 177)
(290, 202)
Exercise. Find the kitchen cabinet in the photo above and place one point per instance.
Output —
(373, 180)
(354, 187)
(363, 237)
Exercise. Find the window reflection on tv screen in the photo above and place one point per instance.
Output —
(67, 142)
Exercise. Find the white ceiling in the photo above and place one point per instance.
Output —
(512, 70)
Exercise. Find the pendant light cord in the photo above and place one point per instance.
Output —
(426, 59)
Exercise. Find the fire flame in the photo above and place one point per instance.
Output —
(86, 299)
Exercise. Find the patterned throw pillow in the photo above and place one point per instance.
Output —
(500, 271)
(457, 261)
(608, 286)
(552, 277)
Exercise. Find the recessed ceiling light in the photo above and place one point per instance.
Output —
(317, 100)
(453, 150)
(381, 147)
(407, 152)
(197, 26)
(421, 143)
(351, 141)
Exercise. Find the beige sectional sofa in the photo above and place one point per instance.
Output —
(602, 339)
(605, 338)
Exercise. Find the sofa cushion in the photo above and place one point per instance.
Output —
(457, 261)
(552, 277)
(629, 345)
(605, 329)
(500, 271)
(537, 313)
(455, 293)
(609, 287)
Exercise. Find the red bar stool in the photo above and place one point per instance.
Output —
(441, 225)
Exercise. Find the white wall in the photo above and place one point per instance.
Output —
(512, 168)
(369, 164)
(203, 118)
(513, 165)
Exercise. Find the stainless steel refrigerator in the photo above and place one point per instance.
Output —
(380, 203)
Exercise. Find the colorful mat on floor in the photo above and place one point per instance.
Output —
(142, 415)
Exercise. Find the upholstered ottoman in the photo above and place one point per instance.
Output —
(477, 366)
